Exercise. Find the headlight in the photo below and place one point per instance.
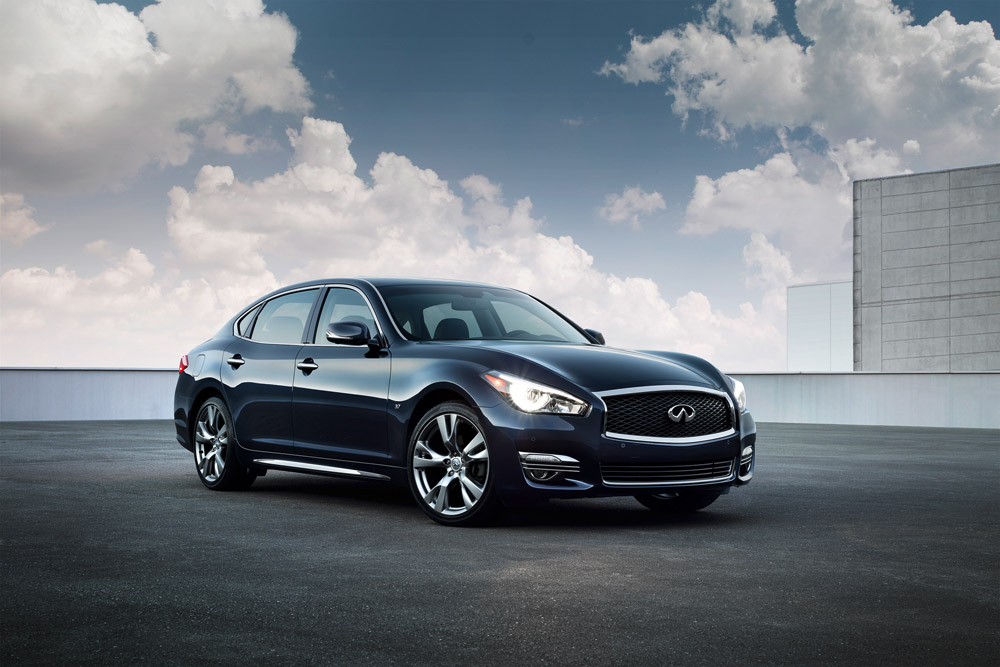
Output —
(528, 396)
(740, 392)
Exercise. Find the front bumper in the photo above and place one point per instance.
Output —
(591, 464)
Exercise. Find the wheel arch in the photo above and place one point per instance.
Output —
(435, 396)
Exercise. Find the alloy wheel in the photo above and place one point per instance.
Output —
(211, 443)
(451, 464)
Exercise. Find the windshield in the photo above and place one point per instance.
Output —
(463, 312)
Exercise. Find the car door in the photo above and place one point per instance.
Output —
(340, 391)
(258, 371)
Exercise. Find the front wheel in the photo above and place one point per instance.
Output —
(449, 467)
(215, 449)
(678, 503)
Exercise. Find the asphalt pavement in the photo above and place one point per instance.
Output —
(852, 546)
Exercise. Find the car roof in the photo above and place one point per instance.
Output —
(386, 282)
(378, 282)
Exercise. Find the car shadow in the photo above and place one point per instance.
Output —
(607, 513)
(594, 513)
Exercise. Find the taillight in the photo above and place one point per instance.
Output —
(183, 365)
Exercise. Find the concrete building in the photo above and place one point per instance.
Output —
(820, 318)
(927, 271)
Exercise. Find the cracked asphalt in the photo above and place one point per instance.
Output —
(852, 546)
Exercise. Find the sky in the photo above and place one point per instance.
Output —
(659, 171)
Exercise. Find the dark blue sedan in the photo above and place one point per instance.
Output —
(472, 395)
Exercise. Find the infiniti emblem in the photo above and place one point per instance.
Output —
(681, 413)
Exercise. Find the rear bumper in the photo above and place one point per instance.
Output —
(183, 397)
(587, 463)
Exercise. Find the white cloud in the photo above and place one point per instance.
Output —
(90, 93)
(809, 217)
(217, 135)
(319, 218)
(867, 67)
(16, 222)
(769, 269)
(632, 204)
(572, 122)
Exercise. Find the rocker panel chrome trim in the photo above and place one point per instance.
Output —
(316, 467)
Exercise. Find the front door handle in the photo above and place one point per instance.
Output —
(236, 361)
(307, 365)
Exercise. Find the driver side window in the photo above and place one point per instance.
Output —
(343, 305)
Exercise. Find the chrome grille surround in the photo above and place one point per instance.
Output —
(684, 474)
(668, 389)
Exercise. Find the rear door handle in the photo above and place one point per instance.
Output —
(236, 361)
(307, 365)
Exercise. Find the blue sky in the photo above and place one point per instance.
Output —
(511, 91)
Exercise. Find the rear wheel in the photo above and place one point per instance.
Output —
(680, 502)
(215, 449)
(449, 467)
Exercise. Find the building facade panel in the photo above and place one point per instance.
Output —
(821, 327)
(927, 286)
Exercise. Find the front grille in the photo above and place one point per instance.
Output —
(645, 415)
(653, 474)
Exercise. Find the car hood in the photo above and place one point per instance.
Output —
(599, 368)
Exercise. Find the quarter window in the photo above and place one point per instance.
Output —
(283, 318)
(343, 305)
(243, 326)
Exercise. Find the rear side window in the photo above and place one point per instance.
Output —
(283, 318)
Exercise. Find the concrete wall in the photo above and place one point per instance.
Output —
(906, 399)
(959, 400)
(927, 271)
(819, 327)
(51, 394)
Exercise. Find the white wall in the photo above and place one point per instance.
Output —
(904, 399)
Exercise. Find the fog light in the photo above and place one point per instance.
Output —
(746, 464)
(547, 467)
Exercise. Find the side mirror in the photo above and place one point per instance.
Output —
(596, 335)
(348, 333)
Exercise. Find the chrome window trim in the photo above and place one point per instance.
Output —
(236, 322)
(661, 388)
(364, 296)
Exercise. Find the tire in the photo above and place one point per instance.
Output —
(215, 457)
(678, 503)
(448, 465)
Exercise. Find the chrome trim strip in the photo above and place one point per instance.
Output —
(668, 387)
(692, 482)
(303, 289)
(562, 458)
(649, 438)
(315, 467)
(728, 477)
